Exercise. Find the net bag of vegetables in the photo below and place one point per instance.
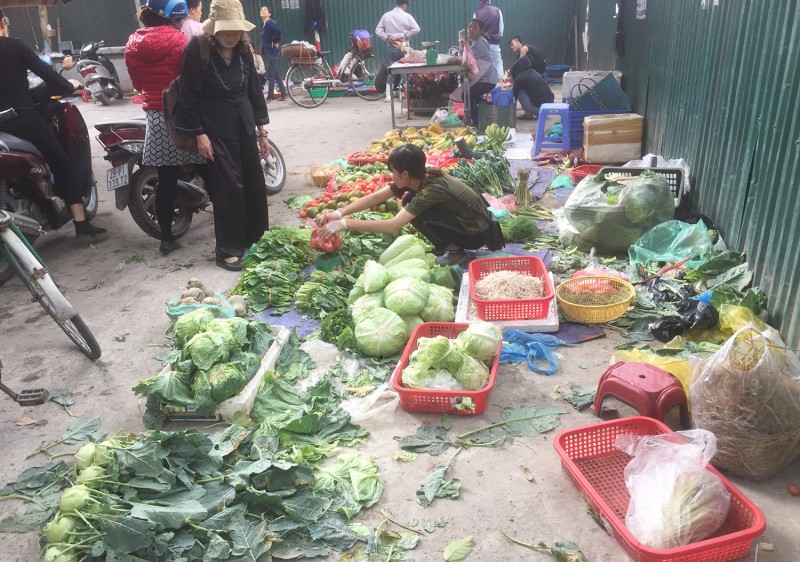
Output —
(674, 499)
(612, 215)
(748, 394)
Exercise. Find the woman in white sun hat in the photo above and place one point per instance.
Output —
(222, 104)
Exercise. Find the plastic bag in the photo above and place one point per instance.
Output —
(748, 394)
(610, 217)
(674, 499)
(505, 202)
(438, 116)
(676, 366)
(672, 241)
(531, 348)
(656, 161)
(222, 310)
(593, 269)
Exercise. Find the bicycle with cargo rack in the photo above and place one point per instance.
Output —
(310, 77)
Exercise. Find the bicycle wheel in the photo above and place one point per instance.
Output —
(46, 292)
(306, 85)
(365, 71)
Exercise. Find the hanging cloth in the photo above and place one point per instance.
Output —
(315, 17)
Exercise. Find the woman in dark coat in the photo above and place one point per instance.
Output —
(223, 106)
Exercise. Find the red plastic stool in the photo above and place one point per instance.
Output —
(652, 391)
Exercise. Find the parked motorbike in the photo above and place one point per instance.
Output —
(135, 185)
(26, 186)
(98, 73)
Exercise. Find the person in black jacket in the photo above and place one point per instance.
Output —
(223, 106)
(16, 59)
(529, 88)
(537, 56)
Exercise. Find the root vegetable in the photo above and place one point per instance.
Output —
(90, 475)
(194, 282)
(83, 458)
(56, 531)
(74, 498)
(189, 300)
(211, 300)
(193, 293)
(238, 304)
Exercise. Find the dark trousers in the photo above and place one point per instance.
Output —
(239, 194)
(443, 229)
(475, 93)
(393, 56)
(272, 63)
(32, 127)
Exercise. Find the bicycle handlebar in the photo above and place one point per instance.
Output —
(7, 114)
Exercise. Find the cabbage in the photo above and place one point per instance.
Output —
(412, 322)
(357, 291)
(416, 375)
(443, 276)
(380, 333)
(439, 307)
(399, 273)
(399, 246)
(207, 348)
(226, 380)
(375, 276)
(364, 304)
(481, 340)
(232, 330)
(410, 253)
(406, 296)
(414, 263)
(473, 374)
(440, 353)
(192, 323)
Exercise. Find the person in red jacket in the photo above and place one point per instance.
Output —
(153, 57)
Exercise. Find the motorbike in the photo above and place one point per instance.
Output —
(98, 73)
(27, 189)
(135, 185)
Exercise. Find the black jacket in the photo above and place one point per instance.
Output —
(16, 59)
(526, 78)
(314, 13)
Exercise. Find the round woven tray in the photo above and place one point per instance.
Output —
(595, 299)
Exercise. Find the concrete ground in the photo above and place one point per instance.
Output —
(119, 287)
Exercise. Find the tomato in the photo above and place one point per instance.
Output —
(330, 245)
(302, 214)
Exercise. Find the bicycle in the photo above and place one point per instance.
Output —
(308, 80)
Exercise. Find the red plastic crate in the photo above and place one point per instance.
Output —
(521, 309)
(579, 172)
(596, 468)
(438, 401)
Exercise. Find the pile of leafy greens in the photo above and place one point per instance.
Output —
(211, 360)
(254, 493)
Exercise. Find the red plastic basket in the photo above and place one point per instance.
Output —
(439, 401)
(596, 467)
(521, 309)
(579, 172)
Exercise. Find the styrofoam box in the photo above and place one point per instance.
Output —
(242, 402)
(612, 138)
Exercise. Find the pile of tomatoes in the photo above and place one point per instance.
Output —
(341, 195)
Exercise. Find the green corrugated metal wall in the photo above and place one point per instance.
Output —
(546, 23)
(718, 83)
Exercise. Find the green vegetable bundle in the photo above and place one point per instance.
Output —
(487, 175)
(519, 229)
(323, 293)
(270, 283)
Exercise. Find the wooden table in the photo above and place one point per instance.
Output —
(401, 69)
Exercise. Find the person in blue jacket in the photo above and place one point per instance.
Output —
(270, 48)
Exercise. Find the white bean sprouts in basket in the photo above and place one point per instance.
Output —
(509, 285)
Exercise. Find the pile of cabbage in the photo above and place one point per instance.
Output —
(212, 360)
(395, 294)
(442, 363)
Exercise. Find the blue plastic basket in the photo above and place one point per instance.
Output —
(555, 72)
(502, 97)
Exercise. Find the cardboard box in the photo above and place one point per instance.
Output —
(242, 402)
(610, 139)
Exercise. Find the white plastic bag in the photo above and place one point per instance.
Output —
(674, 499)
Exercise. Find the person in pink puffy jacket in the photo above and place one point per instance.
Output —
(153, 57)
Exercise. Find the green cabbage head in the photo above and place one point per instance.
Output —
(439, 353)
(406, 296)
(380, 333)
(482, 340)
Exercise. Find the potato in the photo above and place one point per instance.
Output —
(238, 304)
(211, 300)
(194, 293)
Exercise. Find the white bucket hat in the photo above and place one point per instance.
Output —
(226, 15)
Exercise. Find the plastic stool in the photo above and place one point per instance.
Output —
(552, 143)
(652, 391)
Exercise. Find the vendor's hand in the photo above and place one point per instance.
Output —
(76, 84)
(325, 218)
(263, 146)
(332, 228)
(204, 147)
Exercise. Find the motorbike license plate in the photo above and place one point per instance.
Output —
(94, 87)
(118, 177)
